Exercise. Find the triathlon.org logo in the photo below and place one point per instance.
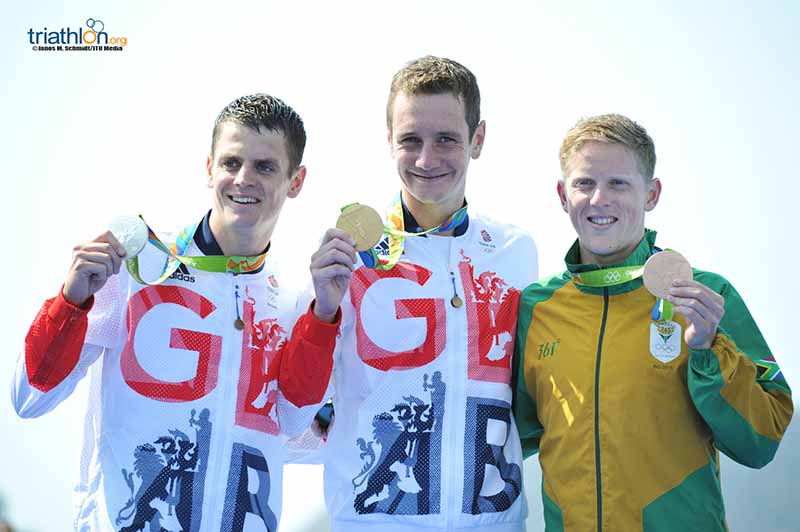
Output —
(93, 38)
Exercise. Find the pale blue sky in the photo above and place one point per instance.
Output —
(91, 135)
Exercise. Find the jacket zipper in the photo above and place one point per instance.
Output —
(452, 488)
(599, 480)
(223, 437)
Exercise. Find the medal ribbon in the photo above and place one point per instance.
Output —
(395, 230)
(176, 257)
(662, 311)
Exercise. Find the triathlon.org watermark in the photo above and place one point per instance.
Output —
(92, 39)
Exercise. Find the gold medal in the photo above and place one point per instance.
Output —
(456, 301)
(363, 223)
(662, 269)
(238, 324)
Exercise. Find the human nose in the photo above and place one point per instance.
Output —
(426, 159)
(244, 175)
(600, 195)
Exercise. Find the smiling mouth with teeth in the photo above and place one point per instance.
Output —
(243, 200)
(602, 220)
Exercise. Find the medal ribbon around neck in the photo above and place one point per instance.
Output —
(176, 257)
(662, 310)
(395, 230)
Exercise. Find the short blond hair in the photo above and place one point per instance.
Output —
(611, 129)
(437, 75)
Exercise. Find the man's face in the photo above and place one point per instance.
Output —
(431, 145)
(251, 178)
(606, 197)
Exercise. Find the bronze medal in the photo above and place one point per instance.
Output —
(363, 223)
(662, 269)
(238, 324)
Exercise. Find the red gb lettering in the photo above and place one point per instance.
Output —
(491, 307)
(432, 309)
(257, 401)
(208, 346)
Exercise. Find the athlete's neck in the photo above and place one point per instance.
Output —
(248, 243)
(430, 215)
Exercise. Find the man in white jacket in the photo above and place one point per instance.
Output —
(423, 434)
(194, 381)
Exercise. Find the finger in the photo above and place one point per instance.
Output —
(334, 271)
(688, 287)
(94, 271)
(85, 261)
(333, 233)
(109, 238)
(99, 247)
(695, 305)
(333, 256)
(335, 242)
(700, 298)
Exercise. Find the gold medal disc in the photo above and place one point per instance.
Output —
(456, 301)
(662, 269)
(363, 223)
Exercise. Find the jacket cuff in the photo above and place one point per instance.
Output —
(61, 310)
(318, 332)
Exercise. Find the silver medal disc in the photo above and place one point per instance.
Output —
(131, 232)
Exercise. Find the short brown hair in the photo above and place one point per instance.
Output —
(611, 129)
(258, 111)
(437, 75)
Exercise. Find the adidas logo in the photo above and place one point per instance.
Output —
(182, 274)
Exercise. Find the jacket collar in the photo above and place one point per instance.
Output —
(642, 252)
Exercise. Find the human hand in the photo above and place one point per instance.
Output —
(331, 268)
(702, 307)
(93, 263)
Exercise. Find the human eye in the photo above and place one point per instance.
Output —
(445, 139)
(266, 167)
(618, 182)
(582, 182)
(409, 140)
(230, 163)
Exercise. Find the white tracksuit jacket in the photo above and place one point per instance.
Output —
(423, 437)
(184, 424)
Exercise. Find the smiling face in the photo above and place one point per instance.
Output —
(606, 197)
(432, 148)
(251, 177)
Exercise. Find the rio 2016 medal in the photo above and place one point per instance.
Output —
(131, 232)
(662, 269)
(363, 223)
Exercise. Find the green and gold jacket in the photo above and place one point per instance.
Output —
(627, 420)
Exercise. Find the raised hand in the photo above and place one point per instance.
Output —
(702, 307)
(331, 268)
(93, 263)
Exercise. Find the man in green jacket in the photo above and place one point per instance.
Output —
(626, 401)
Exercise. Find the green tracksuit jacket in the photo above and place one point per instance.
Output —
(626, 418)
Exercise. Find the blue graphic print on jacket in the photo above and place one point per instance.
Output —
(172, 479)
(404, 479)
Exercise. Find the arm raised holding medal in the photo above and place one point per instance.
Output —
(702, 307)
(331, 269)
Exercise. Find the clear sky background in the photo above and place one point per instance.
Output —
(90, 135)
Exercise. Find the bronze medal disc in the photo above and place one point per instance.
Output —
(131, 232)
(662, 269)
(238, 324)
(363, 223)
